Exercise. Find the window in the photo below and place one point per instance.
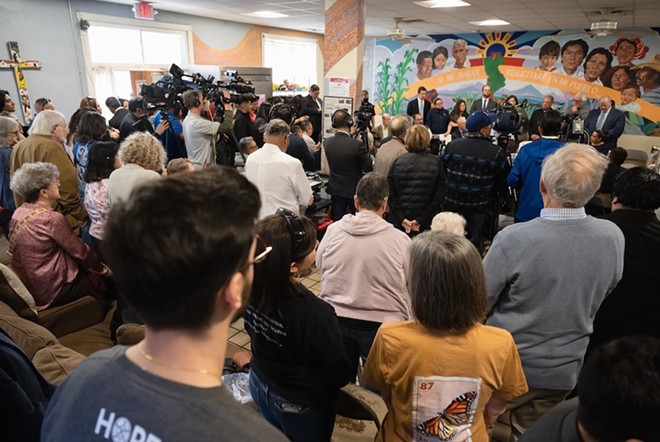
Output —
(122, 54)
(292, 59)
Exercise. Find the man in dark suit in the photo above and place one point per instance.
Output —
(534, 120)
(419, 105)
(118, 112)
(608, 120)
(347, 158)
(485, 102)
(313, 108)
(461, 130)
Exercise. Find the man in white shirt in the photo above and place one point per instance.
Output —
(279, 177)
(199, 132)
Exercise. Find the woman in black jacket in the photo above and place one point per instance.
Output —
(298, 360)
(417, 184)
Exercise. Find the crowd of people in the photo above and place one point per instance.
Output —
(461, 328)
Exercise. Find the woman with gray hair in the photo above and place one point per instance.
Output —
(142, 158)
(444, 374)
(52, 261)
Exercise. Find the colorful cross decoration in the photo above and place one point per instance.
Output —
(17, 65)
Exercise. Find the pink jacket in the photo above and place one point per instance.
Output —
(363, 261)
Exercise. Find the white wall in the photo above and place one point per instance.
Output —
(47, 30)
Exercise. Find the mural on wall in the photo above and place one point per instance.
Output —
(528, 65)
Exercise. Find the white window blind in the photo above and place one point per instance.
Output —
(292, 59)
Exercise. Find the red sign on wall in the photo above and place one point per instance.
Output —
(144, 11)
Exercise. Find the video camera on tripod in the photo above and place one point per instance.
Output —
(166, 92)
(572, 128)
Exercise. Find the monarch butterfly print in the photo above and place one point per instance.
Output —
(444, 424)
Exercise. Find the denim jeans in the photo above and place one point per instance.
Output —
(358, 338)
(297, 422)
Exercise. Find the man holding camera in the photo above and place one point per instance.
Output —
(200, 133)
(136, 120)
(243, 125)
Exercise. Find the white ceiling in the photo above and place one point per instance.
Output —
(307, 15)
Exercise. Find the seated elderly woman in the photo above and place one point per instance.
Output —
(52, 261)
(143, 160)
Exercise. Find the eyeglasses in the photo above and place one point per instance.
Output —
(296, 228)
(261, 257)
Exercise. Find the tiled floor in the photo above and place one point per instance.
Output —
(237, 333)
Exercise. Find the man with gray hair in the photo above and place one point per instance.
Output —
(579, 106)
(389, 151)
(547, 277)
(279, 177)
(363, 260)
(45, 144)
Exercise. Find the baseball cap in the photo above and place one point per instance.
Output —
(478, 120)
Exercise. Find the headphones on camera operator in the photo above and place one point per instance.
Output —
(341, 118)
(196, 102)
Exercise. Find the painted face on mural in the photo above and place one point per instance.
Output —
(439, 61)
(595, 67)
(572, 58)
(548, 62)
(647, 78)
(424, 68)
(625, 53)
(460, 54)
(628, 95)
(620, 79)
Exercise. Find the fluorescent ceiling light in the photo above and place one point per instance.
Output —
(442, 3)
(265, 14)
(493, 22)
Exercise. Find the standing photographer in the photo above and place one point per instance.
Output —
(200, 133)
(172, 138)
(136, 120)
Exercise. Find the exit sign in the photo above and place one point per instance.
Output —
(144, 11)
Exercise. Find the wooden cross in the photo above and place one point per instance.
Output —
(17, 65)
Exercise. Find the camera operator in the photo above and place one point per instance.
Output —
(199, 132)
(243, 125)
(172, 138)
(137, 120)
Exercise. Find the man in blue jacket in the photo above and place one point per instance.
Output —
(526, 171)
